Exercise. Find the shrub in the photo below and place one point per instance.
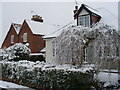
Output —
(36, 58)
(48, 76)
(18, 51)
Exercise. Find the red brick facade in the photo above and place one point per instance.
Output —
(7, 41)
(34, 41)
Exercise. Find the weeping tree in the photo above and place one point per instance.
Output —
(69, 47)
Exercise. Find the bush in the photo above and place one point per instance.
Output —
(18, 51)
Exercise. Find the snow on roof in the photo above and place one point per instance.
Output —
(17, 27)
(43, 50)
(108, 18)
(41, 28)
(58, 32)
(52, 35)
(93, 10)
(31, 54)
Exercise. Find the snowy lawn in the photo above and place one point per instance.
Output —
(108, 78)
(12, 86)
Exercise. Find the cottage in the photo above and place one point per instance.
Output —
(85, 16)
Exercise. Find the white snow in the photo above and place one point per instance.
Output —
(58, 31)
(47, 66)
(93, 10)
(41, 28)
(108, 18)
(9, 53)
(108, 78)
(43, 50)
(31, 54)
(13, 86)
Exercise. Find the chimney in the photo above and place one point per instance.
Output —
(75, 12)
(37, 18)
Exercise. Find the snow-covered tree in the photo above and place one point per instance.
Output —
(18, 51)
(3, 54)
(77, 44)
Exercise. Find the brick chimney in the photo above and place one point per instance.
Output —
(75, 12)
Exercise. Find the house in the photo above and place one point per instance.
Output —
(85, 16)
(29, 33)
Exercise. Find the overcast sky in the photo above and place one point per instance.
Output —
(59, 13)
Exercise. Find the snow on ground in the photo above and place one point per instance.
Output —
(12, 86)
(108, 78)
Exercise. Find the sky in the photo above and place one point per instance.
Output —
(58, 13)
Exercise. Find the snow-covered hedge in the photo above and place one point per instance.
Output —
(16, 52)
(48, 75)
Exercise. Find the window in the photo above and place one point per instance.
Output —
(84, 20)
(12, 39)
(25, 37)
(117, 51)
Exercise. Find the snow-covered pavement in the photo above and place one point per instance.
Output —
(12, 86)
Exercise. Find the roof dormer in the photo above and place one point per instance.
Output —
(87, 16)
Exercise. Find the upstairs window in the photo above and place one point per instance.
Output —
(25, 37)
(12, 39)
(84, 21)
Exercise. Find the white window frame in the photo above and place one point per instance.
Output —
(12, 39)
(82, 20)
(25, 37)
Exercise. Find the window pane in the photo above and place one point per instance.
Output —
(12, 39)
(25, 37)
(84, 21)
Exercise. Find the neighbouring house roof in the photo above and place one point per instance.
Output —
(53, 34)
(58, 31)
(17, 27)
(108, 18)
(41, 28)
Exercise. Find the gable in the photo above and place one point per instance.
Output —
(25, 28)
(83, 12)
(7, 41)
(17, 27)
